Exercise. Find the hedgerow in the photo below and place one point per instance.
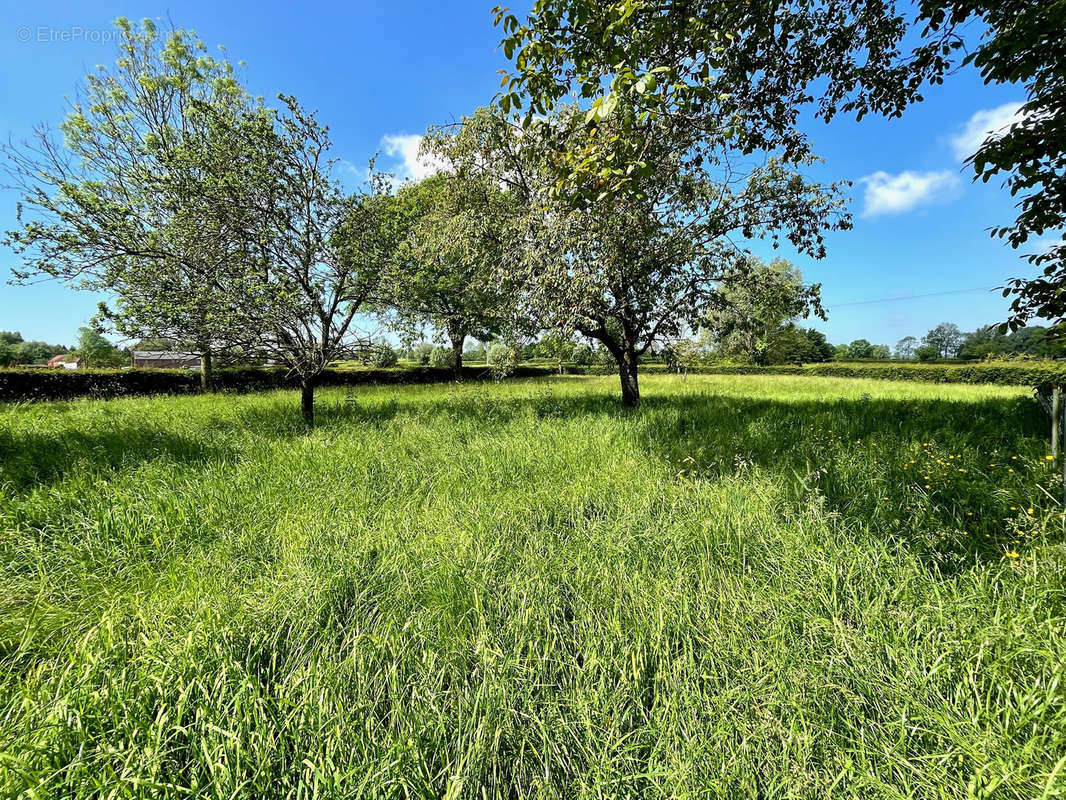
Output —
(1006, 373)
(41, 384)
(48, 384)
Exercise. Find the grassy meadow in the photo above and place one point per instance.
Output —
(752, 586)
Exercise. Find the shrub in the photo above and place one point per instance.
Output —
(383, 356)
(502, 360)
(441, 358)
(422, 352)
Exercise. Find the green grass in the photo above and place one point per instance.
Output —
(750, 587)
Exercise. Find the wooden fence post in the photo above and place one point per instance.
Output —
(1056, 412)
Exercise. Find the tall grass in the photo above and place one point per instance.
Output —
(749, 587)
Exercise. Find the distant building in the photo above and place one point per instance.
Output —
(61, 362)
(165, 359)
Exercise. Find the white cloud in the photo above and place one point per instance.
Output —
(1045, 244)
(412, 165)
(348, 172)
(894, 194)
(983, 125)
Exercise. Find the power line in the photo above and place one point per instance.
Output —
(911, 297)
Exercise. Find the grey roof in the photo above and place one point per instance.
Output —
(164, 355)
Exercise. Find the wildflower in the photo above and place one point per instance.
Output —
(1049, 458)
(1014, 508)
(1029, 511)
(1011, 554)
(1010, 470)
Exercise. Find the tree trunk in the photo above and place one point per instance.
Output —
(457, 355)
(307, 401)
(627, 371)
(207, 372)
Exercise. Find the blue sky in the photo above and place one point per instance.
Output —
(380, 72)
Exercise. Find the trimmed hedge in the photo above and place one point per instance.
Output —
(60, 384)
(1008, 373)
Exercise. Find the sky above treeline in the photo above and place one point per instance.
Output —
(379, 73)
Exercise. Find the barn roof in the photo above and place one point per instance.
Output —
(164, 355)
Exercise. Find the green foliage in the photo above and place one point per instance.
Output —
(475, 354)
(502, 359)
(20, 385)
(926, 353)
(791, 343)
(905, 347)
(441, 358)
(750, 316)
(581, 355)
(945, 338)
(96, 351)
(445, 270)
(121, 203)
(1024, 45)
(1004, 373)
(422, 353)
(742, 589)
(382, 355)
(637, 270)
(1032, 340)
(740, 73)
(15, 351)
(748, 73)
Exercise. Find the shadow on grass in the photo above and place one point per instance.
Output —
(32, 459)
(952, 479)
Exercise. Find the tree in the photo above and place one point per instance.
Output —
(750, 313)
(860, 348)
(905, 347)
(926, 352)
(455, 225)
(818, 349)
(754, 67)
(124, 203)
(10, 337)
(581, 354)
(315, 256)
(632, 270)
(704, 65)
(33, 352)
(881, 351)
(1025, 44)
(945, 338)
(792, 344)
(96, 351)
(556, 347)
(982, 343)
